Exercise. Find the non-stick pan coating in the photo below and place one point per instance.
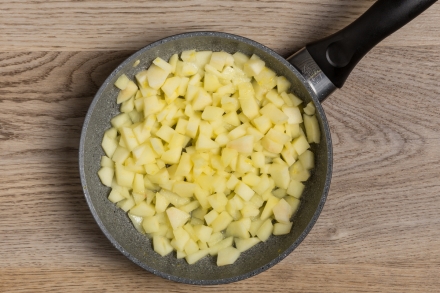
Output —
(137, 247)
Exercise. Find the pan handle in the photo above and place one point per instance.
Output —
(339, 53)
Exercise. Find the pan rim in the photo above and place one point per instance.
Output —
(309, 226)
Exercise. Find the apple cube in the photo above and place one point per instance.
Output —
(268, 208)
(307, 160)
(242, 145)
(204, 143)
(282, 211)
(282, 228)
(221, 222)
(211, 113)
(239, 228)
(227, 256)
(177, 217)
(156, 76)
(312, 128)
(274, 114)
(150, 224)
(240, 59)
(161, 203)
(195, 257)
(271, 146)
(122, 82)
(163, 64)
(126, 204)
(300, 144)
(282, 84)
(129, 91)
(265, 230)
(274, 98)
(253, 67)
(106, 175)
(223, 243)
(124, 177)
(115, 196)
(162, 245)
(280, 175)
(244, 244)
(244, 191)
(170, 86)
(294, 115)
(184, 189)
(203, 232)
(172, 156)
(211, 83)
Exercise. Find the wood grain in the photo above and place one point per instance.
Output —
(379, 228)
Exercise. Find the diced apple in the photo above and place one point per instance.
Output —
(274, 98)
(201, 100)
(282, 211)
(300, 145)
(204, 143)
(106, 175)
(274, 114)
(280, 175)
(161, 203)
(195, 257)
(128, 92)
(266, 78)
(122, 82)
(221, 222)
(307, 160)
(162, 245)
(242, 145)
(150, 224)
(156, 76)
(253, 67)
(211, 113)
(244, 191)
(309, 109)
(282, 228)
(268, 208)
(211, 82)
(219, 245)
(265, 230)
(227, 256)
(172, 156)
(163, 64)
(312, 128)
(245, 244)
(143, 210)
(177, 217)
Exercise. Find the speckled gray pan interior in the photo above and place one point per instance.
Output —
(137, 247)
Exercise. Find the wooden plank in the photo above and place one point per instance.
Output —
(284, 26)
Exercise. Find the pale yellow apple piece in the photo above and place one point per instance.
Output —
(177, 217)
(312, 129)
(227, 256)
(244, 191)
(128, 92)
(242, 145)
(162, 245)
(245, 244)
(282, 228)
(265, 230)
(150, 224)
(195, 257)
(106, 175)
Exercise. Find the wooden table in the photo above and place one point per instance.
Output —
(379, 231)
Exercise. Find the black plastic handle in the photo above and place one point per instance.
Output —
(339, 53)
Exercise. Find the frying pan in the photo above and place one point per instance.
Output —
(315, 72)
